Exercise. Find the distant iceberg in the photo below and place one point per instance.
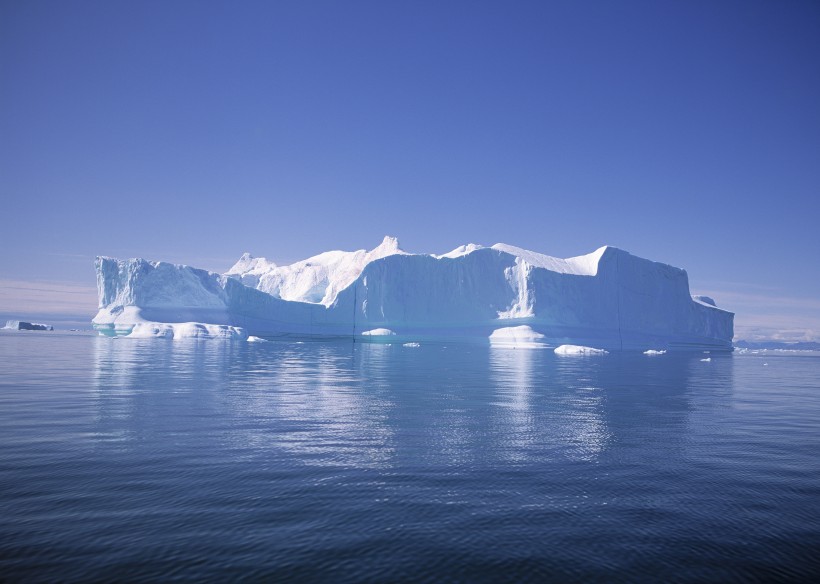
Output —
(608, 299)
(22, 325)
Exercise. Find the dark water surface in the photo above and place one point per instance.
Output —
(154, 460)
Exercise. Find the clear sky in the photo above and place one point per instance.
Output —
(685, 132)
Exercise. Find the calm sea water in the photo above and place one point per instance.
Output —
(340, 462)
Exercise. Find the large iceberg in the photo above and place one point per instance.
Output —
(608, 299)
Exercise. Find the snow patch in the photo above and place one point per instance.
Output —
(461, 250)
(518, 278)
(585, 265)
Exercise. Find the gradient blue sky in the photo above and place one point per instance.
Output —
(686, 132)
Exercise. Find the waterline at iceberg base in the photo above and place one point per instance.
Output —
(608, 299)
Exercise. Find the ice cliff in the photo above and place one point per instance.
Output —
(608, 299)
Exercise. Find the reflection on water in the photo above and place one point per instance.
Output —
(305, 399)
(514, 379)
(378, 405)
(144, 460)
(569, 420)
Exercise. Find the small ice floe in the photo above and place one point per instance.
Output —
(579, 350)
(378, 332)
(517, 336)
(411, 345)
(765, 364)
(707, 360)
(655, 352)
(253, 339)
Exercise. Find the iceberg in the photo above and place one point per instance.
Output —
(517, 337)
(187, 330)
(608, 299)
(22, 325)
(579, 350)
(379, 332)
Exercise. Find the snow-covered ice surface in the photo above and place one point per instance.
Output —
(608, 299)
(318, 279)
(652, 352)
(579, 350)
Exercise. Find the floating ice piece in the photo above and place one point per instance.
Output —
(253, 339)
(411, 345)
(707, 360)
(655, 352)
(378, 332)
(517, 337)
(579, 350)
(186, 330)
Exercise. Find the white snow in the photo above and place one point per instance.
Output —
(517, 277)
(378, 332)
(461, 250)
(608, 299)
(654, 352)
(585, 265)
(317, 279)
(517, 337)
(579, 350)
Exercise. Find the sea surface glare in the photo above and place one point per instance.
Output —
(124, 459)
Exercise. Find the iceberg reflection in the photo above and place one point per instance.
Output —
(379, 406)
(545, 407)
(303, 400)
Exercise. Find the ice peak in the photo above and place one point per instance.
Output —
(388, 244)
(248, 263)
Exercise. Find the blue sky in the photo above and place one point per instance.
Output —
(686, 132)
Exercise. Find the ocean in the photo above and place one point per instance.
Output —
(146, 460)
